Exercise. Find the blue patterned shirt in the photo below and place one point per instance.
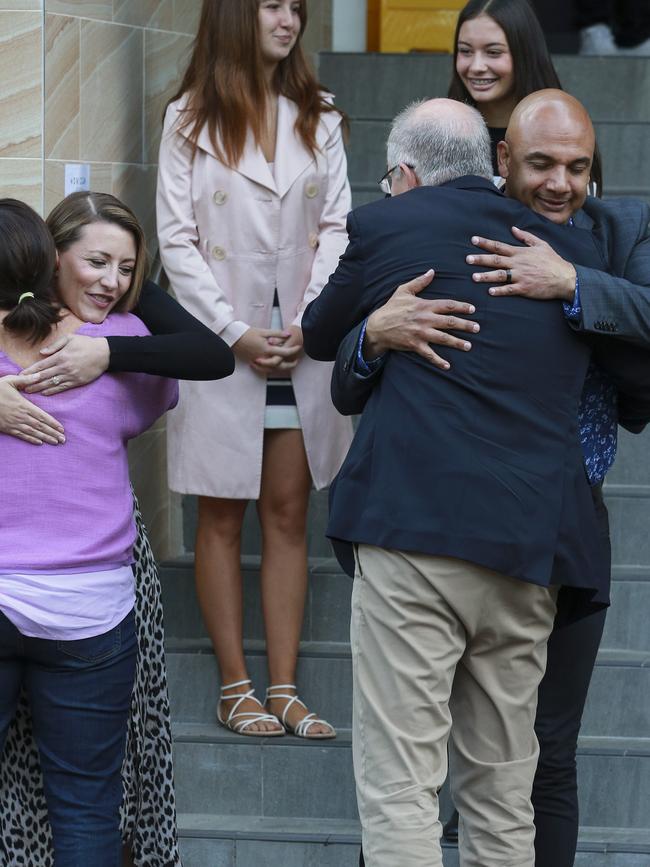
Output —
(598, 413)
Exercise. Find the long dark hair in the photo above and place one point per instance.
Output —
(27, 260)
(226, 85)
(531, 61)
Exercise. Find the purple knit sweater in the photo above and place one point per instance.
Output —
(69, 508)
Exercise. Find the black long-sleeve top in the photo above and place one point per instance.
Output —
(180, 346)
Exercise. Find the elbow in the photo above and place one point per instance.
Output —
(224, 362)
(315, 346)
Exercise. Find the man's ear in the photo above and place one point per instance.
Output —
(412, 180)
(503, 158)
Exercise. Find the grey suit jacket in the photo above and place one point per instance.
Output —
(615, 307)
(618, 302)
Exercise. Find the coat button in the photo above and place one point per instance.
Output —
(311, 191)
(313, 240)
(219, 253)
(220, 198)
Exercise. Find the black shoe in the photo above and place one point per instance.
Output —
(450, 829)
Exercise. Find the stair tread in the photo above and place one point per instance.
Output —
(330, 566)
(251, 562)
(341, 650)
(187, 732)
(632, 840)
(254, 646)
(214, 733)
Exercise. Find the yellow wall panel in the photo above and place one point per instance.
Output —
(418, 25)
(374, 15)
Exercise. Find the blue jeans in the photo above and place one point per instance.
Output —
(79, 694)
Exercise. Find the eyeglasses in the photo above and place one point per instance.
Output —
(386, 182)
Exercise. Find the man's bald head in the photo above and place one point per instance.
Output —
(547, 156)
(441, 140)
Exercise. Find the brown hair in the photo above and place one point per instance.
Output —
(226, 85)
(531, 61)
(67, 220)
(27, 259)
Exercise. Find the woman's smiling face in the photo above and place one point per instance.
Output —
(96, 271)
(484, 62)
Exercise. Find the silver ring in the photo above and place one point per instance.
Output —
(55, 380)
(508, 276)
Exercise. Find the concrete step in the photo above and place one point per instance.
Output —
(631, 466)
(629, 519)
(380, 85)
(284, 777)
(327, 614)
(242, 841)
(628, 174)
(629, 508)
(618, 702)
(324, 677)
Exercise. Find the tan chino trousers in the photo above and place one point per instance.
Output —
(445, 654)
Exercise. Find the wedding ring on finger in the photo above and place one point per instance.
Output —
(55, 380)
(508, 276)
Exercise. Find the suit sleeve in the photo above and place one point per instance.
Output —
(332, 234)
(340, 306)
(620, 306)
(179, 346)
(350, 388)
(193, 283)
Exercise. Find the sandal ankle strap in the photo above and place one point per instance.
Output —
(237, 683)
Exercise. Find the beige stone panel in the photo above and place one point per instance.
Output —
(22, 179)
(148, 465)
(62, 41)
(186, 16)
(20, 84)
(21, 5)
(111, 92)
(166, 56)
(101, 9)
(145, 13)
(318, 36)
(136, 187)
(101, 181)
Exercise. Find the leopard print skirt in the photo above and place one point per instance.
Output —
(149, 806)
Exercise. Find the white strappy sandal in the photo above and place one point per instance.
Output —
(239, 721)
(303, 728)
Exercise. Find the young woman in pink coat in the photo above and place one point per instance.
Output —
(252, 202)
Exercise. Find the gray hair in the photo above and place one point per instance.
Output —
(441, 146)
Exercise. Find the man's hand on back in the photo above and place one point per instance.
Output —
(536, 270)
(410, 323)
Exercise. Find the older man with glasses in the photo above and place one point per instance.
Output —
(464, 502)
(543, 161)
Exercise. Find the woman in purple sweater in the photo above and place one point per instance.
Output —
(180, 347)
(67, 527)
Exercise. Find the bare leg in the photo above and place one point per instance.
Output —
(219, 590)
(282, 507)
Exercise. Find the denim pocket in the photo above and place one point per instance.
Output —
(93, 649)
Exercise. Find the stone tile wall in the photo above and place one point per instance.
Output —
(21, 98)
(86, 81)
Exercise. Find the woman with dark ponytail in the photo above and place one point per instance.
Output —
(26, 268)
(67, 594)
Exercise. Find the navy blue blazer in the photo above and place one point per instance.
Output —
(482, 462)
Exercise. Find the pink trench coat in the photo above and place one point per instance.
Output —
(228, 238)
